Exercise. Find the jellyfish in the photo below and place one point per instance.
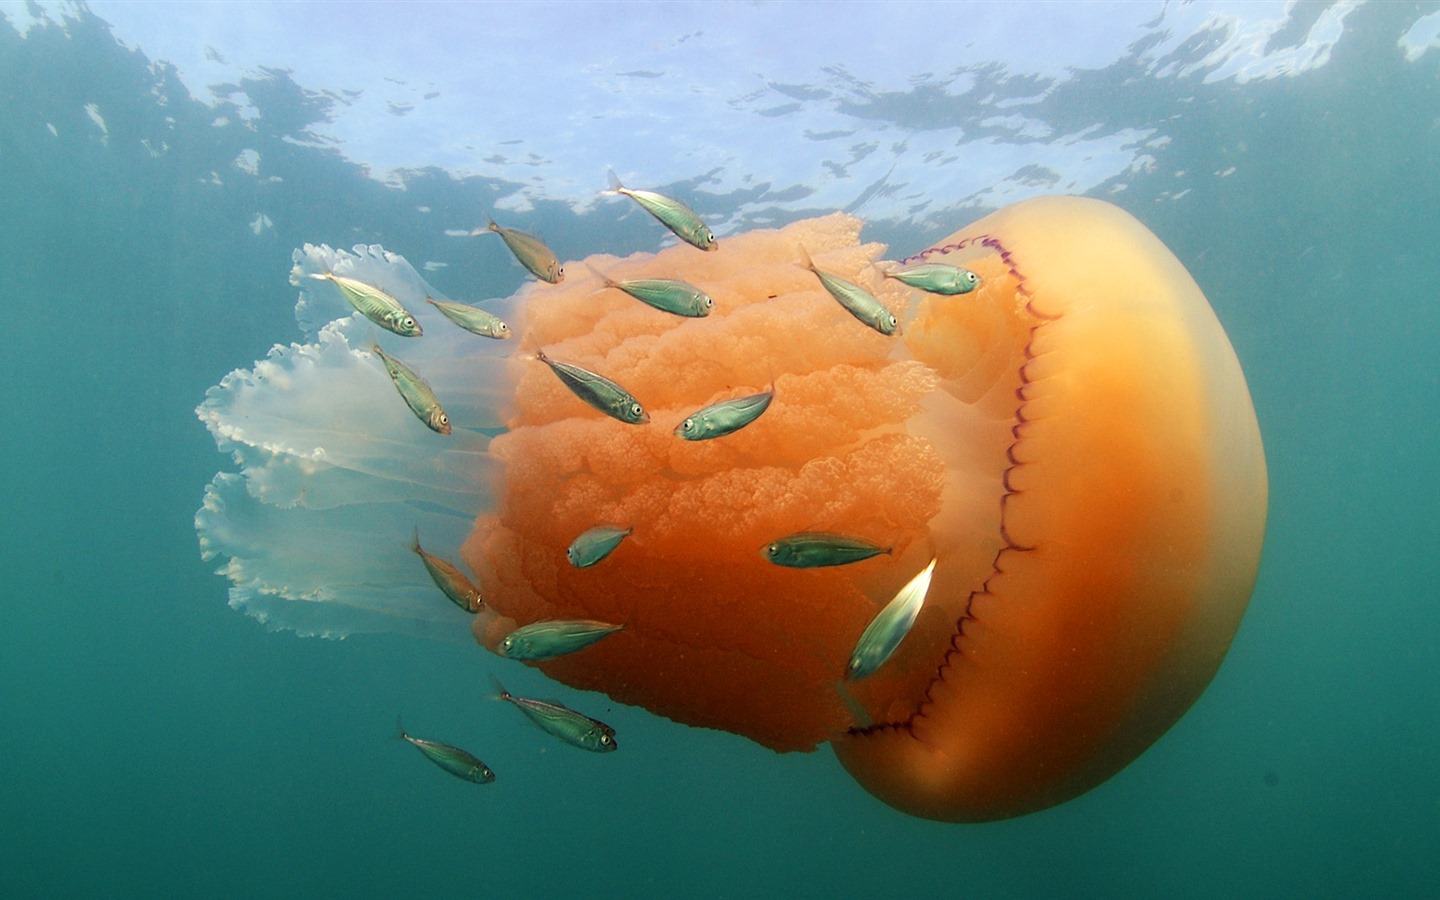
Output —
(1073, 443)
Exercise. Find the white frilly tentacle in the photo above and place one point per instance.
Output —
(335, 472)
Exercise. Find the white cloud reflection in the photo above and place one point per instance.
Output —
(871, 105)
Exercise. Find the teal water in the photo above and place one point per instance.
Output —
(155, 741)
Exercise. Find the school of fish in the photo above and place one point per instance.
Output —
(803, 550)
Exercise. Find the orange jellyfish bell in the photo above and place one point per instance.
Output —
(1073, 442)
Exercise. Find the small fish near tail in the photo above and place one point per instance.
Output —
(560, 721)
(448, 578)
(674, 215)
(531, 252)
(455, 760)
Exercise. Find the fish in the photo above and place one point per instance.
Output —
(449, 579)
(576, 729)
(673, 214)
(375, 305)
(531, 252)
(937, 278)
(857, 301)
(473, 320)
(665, 294)
(454, 760)
(598, 391)
(555, 637)
(725, 417)
(814, 549)
(415, 392)
(890, 626)
(594, 545)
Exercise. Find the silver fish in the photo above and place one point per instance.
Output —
(598, 391)
(573, 728)
(556, 637)
(814, 549)
(475, 321)
(857, 301)
(449, 579)
(416, 393)
(532, 253)
(673, 214)
(888, 629)
(375, 305)
(454, 760)
(594, 545)
(725, 417)
(664, 294)
(937, 278)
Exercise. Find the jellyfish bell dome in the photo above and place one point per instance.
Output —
(1072, 443)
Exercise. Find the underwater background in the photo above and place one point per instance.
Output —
(160, 162)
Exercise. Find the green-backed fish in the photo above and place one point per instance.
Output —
(375, 305)
(725, 417)
(475, 321)
(937, 278)
(454, 760)
(888, 629)
(560, 720)
(594, 545)
(857, 301)
(673, 214)
(665, 294)
(451, 581)
(556, 637)
(416, 393)
(532, 253)
(814, 549)
(598, 391)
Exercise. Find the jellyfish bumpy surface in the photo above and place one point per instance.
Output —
(1072, 442)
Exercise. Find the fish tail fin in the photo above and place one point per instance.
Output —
(615, 186)
(500, 692)
(415, 540)
(400, 734)
(608, 281)
(858, 712)
(807, 262)
(431, 300)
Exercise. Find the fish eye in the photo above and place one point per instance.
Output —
(444, 419)
(772, 550)
(709, 302)
(636, 410)
(408, 322)
(508, 644)
(892, 320)
(604, 740)
(688, 424)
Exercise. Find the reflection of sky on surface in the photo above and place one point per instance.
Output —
(806, 105)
